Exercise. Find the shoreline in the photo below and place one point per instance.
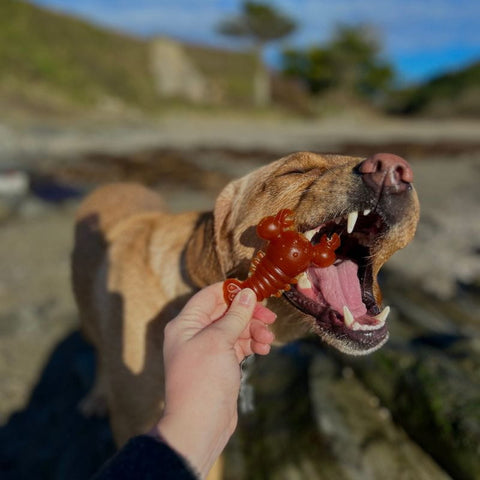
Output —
(23, 145)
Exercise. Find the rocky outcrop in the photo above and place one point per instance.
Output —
(314, 419)
(428, 376)
(175, 74)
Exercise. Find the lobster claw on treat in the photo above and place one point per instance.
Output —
(270, 227)
(324, 252)
(332, 242)
(285, 217)
(288, 254)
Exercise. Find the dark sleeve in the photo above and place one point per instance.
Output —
(145, 458)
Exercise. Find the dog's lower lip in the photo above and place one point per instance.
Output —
(332, 322)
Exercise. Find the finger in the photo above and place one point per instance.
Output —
(243, 349)
(261, 348)
(260, 332)
(238, 315)
(264, 314)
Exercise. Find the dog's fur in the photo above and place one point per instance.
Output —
(134, 266)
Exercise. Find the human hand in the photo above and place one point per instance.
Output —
(203, 348)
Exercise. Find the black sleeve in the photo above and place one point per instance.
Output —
(145, 458)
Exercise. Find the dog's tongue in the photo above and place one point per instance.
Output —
(340, 286)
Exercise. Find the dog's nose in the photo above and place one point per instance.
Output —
(385, 171)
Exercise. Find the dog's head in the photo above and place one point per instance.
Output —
(370, 203)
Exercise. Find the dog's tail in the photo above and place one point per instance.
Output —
(231, 287)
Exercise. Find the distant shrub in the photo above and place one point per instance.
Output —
(452, 94)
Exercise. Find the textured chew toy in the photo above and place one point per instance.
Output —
(287, 255)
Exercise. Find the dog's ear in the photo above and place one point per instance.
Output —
(228, 215)
(223, 220)
(231, 210)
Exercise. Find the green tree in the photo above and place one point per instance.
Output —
(260, 24)
(454, 93)
(350, 63)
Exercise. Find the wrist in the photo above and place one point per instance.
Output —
(197, 444)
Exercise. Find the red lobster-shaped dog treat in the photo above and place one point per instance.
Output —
(287, 255)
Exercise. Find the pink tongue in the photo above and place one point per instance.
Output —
(340, 286)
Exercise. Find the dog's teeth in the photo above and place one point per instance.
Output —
(348, 317)
(310, 234)
(366, 211)
(352, 220)
(382, 316)
(303, 282)
(351, 323)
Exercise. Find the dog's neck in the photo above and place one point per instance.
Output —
(202, 266)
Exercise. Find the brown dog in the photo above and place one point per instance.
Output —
(134, 265)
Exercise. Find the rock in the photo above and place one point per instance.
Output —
(13, 183)
(13, 190)
(439, 405)
(313, 420)
(428, 376)
(361, 432)
(175, 74)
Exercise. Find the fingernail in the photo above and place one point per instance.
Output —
(247, 297)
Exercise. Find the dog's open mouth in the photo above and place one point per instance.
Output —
(340, 297)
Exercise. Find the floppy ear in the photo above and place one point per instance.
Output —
(227, 215)
(224, 215)
(230, 212)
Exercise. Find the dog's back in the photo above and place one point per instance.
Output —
(97, 216)
(127, 281)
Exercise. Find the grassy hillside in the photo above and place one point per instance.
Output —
(52, 60)
(42, 51)
(452, 94)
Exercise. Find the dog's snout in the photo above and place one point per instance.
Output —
(387, 172)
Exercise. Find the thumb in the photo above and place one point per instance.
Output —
(239, 314)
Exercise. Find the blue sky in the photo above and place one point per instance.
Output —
(421, 37)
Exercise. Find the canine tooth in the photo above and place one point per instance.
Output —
(309, 234)
(366, 211)
(382, 316)
(348, 317)
(352, 220)
(303, 282)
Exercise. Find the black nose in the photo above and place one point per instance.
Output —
(386, 172)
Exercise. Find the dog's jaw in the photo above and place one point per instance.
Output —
(344, 299)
